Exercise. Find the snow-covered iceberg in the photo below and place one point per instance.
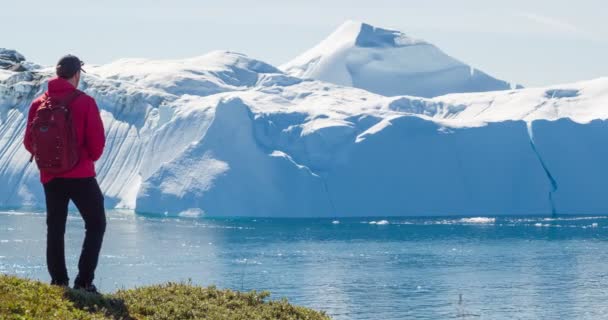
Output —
(389, 63)
(225, 134)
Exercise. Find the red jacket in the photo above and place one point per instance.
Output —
(89, 129)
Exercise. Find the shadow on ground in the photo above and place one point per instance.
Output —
(111, 307)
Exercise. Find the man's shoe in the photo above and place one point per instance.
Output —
(87, 288)
(65, 284)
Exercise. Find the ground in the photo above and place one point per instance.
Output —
(28, 299)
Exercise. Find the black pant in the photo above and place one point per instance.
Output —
(86, 195)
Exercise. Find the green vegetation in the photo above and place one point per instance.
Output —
(28, 299)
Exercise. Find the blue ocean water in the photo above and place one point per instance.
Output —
(352, 268)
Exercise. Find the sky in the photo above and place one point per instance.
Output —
(531, 42)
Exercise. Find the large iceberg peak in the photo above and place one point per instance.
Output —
(365, 35)
(389, 63)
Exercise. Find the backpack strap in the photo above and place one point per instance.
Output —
(45, 99)
(70, 98)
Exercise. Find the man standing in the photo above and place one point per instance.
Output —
(65, 135)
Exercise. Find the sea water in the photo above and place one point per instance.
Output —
(520, 267)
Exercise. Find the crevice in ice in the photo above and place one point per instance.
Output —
(552, 180)
(328, 194)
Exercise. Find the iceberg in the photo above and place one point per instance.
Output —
(227, 135)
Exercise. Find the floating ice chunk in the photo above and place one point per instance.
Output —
(12, 213)
(546, 225)
(241, 261)
(575, 218)
(192, 213)
(110, 256)
(482, 220)
(380, 222)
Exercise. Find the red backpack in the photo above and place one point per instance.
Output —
(54, 139)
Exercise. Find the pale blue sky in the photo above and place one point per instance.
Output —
(533, 42)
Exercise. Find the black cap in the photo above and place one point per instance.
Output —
(68, 66)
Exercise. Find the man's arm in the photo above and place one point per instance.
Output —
(94, 135)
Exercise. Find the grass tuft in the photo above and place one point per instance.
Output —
(25, 299)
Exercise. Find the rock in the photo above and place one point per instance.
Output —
(11, 60)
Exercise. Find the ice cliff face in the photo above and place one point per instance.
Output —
(389, 63)
(224, 134)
